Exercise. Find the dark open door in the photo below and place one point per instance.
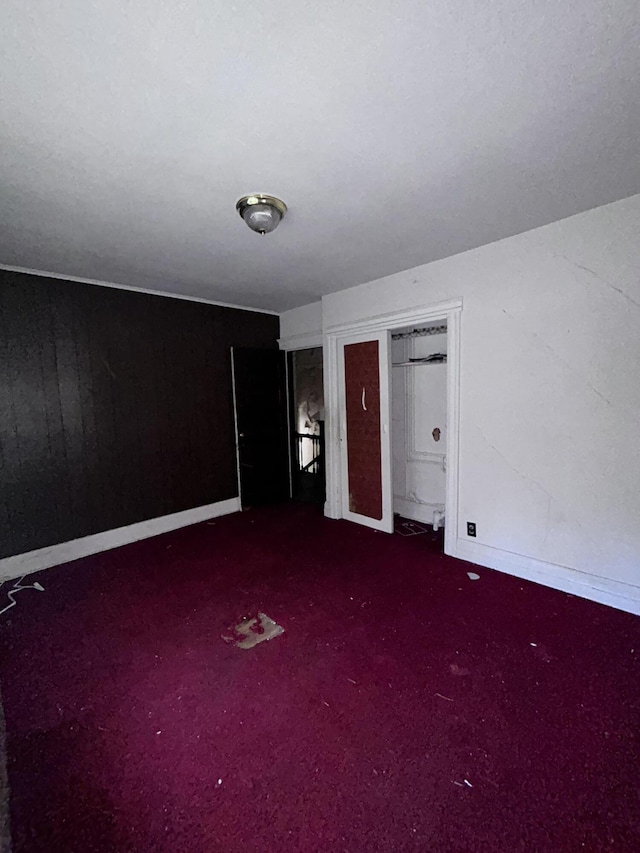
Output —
(259, 380)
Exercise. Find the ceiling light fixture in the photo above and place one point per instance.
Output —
(262, 213)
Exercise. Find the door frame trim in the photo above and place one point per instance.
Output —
(307, 340)
(334, 401)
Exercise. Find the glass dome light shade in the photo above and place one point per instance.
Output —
(261, 213)
(262, 218)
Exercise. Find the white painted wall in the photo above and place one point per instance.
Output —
(550, 395)
(419, 404)
(301, 328)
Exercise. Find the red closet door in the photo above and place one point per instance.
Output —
(367, 460)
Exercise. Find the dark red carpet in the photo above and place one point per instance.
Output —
(405, 707)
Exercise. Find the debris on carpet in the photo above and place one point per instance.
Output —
(253, 630)
(18, 586)
(410, 528)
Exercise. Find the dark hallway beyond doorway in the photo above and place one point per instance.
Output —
(307, 421)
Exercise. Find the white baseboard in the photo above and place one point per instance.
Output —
(616, 594)
(54, 555)
(422, 512)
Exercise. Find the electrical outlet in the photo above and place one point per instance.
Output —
(471, 528)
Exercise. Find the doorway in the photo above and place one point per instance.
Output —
(259, 392)
(339, 338)
(306, 418)
(419, 428)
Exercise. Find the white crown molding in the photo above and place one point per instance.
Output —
(65, 552)
(146, 290)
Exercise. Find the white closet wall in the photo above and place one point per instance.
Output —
(419, 405)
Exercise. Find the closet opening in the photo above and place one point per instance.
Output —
(419, 430)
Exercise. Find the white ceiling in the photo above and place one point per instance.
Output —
(397, 131)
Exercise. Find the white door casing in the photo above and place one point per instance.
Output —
(334, 338)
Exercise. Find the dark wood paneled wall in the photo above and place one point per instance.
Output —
(115, 406)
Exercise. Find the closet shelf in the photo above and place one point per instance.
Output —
(417, 363)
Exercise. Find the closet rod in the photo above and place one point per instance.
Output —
(419, 362)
